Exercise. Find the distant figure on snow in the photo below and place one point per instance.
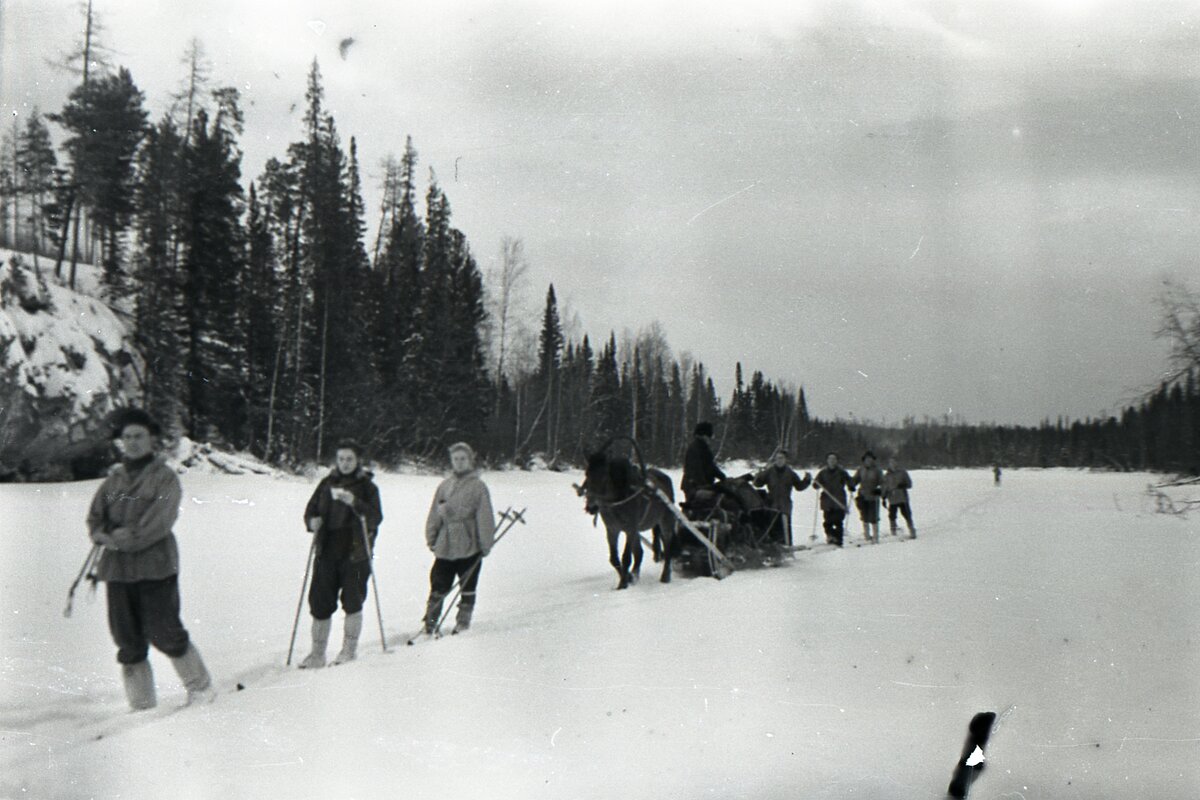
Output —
(832, 482)
(780, 479)
(460, 530)
(996, 474)
(700, 470)
(131, 518)
(869, 478)
(344, 513)
(896, 484)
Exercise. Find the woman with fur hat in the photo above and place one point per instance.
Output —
(460, 531)
(131, 518)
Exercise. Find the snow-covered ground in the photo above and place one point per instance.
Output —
(1058, 597)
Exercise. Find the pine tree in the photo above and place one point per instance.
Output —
(260, 314)
(37, 164)
(159, 327)
(550, 343)
(212, 251)
(106, 122)
(398, 267)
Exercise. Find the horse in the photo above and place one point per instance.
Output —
(614, 489)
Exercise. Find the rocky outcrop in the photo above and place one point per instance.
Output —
(66, 362)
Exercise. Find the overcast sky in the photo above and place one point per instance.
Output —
(909, 208)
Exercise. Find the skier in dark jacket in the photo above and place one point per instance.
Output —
(832, 482)
(131, 518)
(700, 470)
(344, 514)
(869, 478)
(780, 479)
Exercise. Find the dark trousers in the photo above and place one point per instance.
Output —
(441, 577)
(145, 613)
(334, 576)
(834, 517)
(904, 510)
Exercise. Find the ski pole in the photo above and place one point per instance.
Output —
(374, 586)
(829, 494)
(88, 563)
(816, 511)
(512, 518)
(300, 603)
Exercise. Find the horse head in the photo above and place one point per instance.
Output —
(608, 479)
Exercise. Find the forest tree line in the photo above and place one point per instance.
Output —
(267, 324)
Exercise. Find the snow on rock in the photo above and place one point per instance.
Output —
(65, 363)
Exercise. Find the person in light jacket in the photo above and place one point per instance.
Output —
(131, 518)
(896, 484)
(459, 530)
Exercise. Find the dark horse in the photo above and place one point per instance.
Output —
(615, 490)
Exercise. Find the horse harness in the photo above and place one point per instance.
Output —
(642, 490)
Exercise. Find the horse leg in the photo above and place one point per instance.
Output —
(662, 538)
(634, 543)
(615, 560)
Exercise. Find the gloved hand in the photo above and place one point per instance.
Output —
(99, 537)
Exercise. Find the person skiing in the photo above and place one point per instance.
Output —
(780, 479)
(896, 484)
(459, 530)
(343, 514)
(832, 482)
(700, 470)
(869, 479)
(131, 517)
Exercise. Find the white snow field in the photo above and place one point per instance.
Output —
(1059, 598)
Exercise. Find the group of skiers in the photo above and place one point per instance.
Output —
(135, 554)
(703, 480)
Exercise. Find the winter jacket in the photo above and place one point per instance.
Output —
(700, 468)
(779, 482)
(870, 482)
(138, 508)
(896, 484)
(341, 532)
(835, 481)
(460, 522)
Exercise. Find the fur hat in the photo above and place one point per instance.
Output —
(867, 455)
(703, 429)
(134, 416)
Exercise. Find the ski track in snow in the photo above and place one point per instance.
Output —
(766, 684)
